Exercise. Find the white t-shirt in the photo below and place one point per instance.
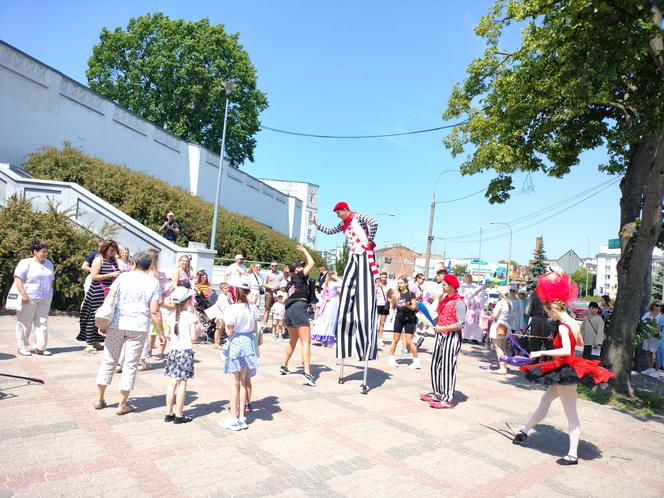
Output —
(278, 310)
(183, 339)
(240, 317)
(234, 271)
(135, 291)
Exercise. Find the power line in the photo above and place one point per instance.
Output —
(385, 135)
(535, 214)
(458, 240)
(462, 198)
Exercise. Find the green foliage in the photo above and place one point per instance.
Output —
(658, 281)
(644, 403)
(68, 245)
(343, 260)
(579, 277)
(585, 74)
(460, 269)
(147, 200)
(645, 328)
(169, 71)
(539, 266)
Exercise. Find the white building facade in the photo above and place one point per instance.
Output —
(307, 193)
(607, 267)
(40, 106)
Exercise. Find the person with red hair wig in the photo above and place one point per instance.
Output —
(564, 370)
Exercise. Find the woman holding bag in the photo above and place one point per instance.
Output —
(33, 279)
(104, 271)
(500, 328)
(137, 295)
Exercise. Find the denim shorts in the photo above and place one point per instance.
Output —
(296, 314)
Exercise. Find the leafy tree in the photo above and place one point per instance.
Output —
(585, 75)
(343, 260)
(170, 71)
(539, 266)
(459, 269)
(579, 277)
(658, 282)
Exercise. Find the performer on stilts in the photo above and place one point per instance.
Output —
(356, 324)
(451, 319)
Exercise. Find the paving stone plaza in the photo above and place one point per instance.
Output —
(302, 441)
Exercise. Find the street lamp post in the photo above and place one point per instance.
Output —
(509, 254)
(229, 87)
(432, 213)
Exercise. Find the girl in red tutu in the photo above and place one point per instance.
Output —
(563, 370)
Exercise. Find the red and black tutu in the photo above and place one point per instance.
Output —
(567, 370)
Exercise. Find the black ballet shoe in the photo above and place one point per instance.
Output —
(568, 460)
(520, 438)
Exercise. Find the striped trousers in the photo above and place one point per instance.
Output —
(444, 365)
(356, 323)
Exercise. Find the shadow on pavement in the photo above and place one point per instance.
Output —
(68, 349)
(375, 378)
(201, 409)
(549, 440)
(158, 401)
(265, 408)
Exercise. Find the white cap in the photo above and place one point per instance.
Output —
(238, 256)
(181, 294)
(239, 282)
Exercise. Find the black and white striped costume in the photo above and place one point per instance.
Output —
(356, 325)
(446, 351)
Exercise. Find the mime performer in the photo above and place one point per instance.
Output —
(356, 325)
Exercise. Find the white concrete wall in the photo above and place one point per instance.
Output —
(307, 193)
(40, 106)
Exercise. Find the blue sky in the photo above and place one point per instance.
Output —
(349, 67)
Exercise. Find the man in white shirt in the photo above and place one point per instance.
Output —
(235, 270)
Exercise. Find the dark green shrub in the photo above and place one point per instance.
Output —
(147, 199)
(68, 245)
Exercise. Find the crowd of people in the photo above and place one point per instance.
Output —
(348, 313)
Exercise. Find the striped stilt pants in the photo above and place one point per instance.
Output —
(443, 365)
(356, 324)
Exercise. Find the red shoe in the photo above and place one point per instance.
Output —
(440, 404)
(428, 397)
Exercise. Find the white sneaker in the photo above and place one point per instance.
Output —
(405, 352)
(242, 423)
(651, 372)
(415, 364)
(24, 352)
(230, 423)
(391, 361)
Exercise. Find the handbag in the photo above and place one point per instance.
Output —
(104, 314)
(14, 299)
(261, 289)
(501, 330)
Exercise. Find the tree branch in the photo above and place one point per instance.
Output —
(656, 45)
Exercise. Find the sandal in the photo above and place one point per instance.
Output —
(90, 349)
(100, 404)
(143, 366)
(123, 410)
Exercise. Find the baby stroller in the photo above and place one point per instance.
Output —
(201, 303)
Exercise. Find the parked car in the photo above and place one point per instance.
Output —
(579, 309)
(491, 297)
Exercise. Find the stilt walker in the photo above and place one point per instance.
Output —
(356, 325)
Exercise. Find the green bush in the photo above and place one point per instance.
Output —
(68, 245)
(147, 199)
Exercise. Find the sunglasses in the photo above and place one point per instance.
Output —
(657, 305)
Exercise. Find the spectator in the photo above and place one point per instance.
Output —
(202, 284)
(278, 310)
(322, 275)
(500, 328)
(104, 271)
(235, 270)
(166, 288)
(182, 273)
(516, 312)
(524, 304)
(650, 344)
(223, 301)
(255, 285)
(124, 263)
(405, 302)
(592, 331)
(33, 278)
(606, 309)
(383, 297)
(271, 283)
(87, 264)
(171, 228)
(137, 300)
(416, 288)
(541, 326)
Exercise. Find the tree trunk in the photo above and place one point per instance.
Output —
(640, 224)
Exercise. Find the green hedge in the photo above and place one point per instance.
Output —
(147, 200)
(68, 244)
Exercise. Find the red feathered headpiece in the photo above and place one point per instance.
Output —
(554, 286)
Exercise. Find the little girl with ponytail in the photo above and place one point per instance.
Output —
(181, 332)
